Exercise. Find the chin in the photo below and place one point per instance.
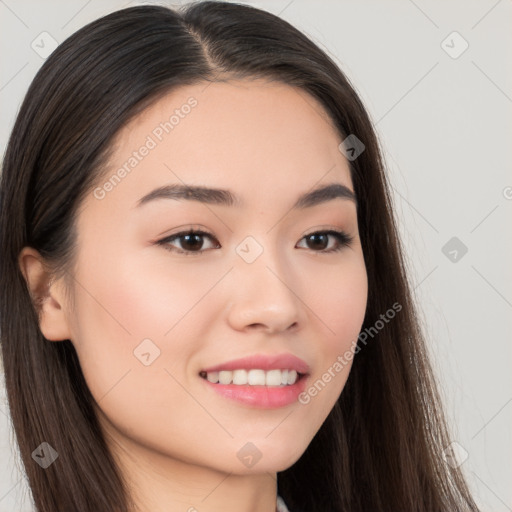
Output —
(253, 457)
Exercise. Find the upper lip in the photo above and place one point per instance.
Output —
(263, 362)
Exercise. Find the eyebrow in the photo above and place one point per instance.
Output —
(225, 197)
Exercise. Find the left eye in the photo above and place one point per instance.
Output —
(191, 242)
(321, 238)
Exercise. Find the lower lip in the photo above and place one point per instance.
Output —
(263, 397)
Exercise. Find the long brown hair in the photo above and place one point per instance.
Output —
(380, 447)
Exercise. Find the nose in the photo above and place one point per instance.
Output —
(264, 296)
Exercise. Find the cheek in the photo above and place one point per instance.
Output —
(136, 323)
(135, 298)
(337, 299)
(135, 373)
(127, 315)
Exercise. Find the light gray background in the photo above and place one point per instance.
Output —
(446, 127)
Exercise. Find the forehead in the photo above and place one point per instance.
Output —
(253, 136)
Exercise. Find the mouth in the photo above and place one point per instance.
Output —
(256, 388)
(274, 378)
(264, 381)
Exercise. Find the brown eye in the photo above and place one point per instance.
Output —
(319, 241)
(191, 242)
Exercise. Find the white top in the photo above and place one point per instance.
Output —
(281, 505)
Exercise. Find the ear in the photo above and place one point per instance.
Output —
(47, 295)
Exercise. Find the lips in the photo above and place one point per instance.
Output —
(263, 362)
(258, 394)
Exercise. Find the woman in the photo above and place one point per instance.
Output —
(206, 306)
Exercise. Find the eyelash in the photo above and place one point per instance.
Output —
(343, 239)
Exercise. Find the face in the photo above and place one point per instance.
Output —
(156, 305)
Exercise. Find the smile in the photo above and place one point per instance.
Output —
(253, 377)
(250, 388)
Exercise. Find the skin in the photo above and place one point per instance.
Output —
(175, 439)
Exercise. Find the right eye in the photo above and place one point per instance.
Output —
(191, 242)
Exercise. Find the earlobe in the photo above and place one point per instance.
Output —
(46, 294)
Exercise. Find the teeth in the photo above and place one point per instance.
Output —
(274, 378)
(225, 377)
(213, 377)
(292, 376)
(239, 377)
(256, 378)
